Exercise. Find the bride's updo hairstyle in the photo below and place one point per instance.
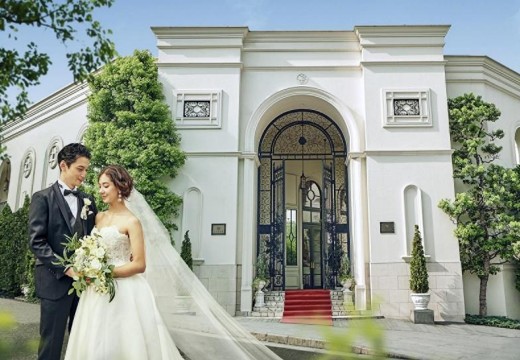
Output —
(120, 177)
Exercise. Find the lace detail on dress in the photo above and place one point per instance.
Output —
(118, 245)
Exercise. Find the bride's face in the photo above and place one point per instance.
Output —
(107, 189)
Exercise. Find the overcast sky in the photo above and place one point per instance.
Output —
(478, 27)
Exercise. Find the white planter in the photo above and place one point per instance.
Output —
(420, 301)
(346, 283)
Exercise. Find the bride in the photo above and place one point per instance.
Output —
(160, 306)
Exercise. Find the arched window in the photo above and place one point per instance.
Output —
(517, 145)
(5, 176)
(192, 219)
(413, 214)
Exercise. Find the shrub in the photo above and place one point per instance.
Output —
(418, 272)
(186, 250)
(496, 321)
(14, 248)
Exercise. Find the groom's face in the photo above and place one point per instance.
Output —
(74, 174)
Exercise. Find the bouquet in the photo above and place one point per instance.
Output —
(89, 260)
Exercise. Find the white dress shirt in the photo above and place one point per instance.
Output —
(71, 200)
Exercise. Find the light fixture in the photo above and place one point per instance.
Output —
(302, 140)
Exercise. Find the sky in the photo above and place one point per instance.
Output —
(478, 27)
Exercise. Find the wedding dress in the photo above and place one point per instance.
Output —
(130, 327)
(156, 313)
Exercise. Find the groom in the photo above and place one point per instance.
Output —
(55, 213)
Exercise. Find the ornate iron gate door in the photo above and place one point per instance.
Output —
(332, 250)
(303, 134)
(276, 246)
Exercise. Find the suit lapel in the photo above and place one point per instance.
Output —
(62, 205)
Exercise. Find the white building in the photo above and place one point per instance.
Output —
(361, 114)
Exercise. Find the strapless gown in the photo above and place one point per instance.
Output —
(130, 327)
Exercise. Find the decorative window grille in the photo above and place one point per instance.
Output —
(198, 109)
(27, 166)
(403, 108)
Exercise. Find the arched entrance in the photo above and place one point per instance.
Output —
(303, 220)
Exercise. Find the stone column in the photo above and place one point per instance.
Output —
(358, 206)
(248, 233)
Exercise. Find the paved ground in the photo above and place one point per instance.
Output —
(402, 339)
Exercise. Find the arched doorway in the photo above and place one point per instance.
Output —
(303, 220)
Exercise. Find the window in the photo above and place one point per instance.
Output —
(198, 109)
(402, 108)
(291, 237)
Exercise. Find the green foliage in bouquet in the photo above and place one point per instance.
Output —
(89, 260)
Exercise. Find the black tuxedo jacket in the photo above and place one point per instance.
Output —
(48, 227)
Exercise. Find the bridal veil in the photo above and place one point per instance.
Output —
(199, 326)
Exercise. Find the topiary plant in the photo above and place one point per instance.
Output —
(418, 272)
(344, 270)
(186, 250)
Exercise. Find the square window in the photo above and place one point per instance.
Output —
(198, 109)
(406, 108)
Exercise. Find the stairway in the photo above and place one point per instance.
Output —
(307, 307)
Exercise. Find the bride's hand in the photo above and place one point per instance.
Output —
(70, 273)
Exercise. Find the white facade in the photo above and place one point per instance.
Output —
(385, 88)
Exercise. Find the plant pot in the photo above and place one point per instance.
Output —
(420, 301)
(346, 283)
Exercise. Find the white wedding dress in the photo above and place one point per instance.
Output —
(156, 313)
(130, 327)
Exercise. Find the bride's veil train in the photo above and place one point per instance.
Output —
(199, 326)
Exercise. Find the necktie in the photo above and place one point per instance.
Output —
(68, 192)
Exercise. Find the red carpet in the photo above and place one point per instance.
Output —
(307, 307)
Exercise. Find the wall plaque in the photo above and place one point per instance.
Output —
(218, 229)
(387, 227)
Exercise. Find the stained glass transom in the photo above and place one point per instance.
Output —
(281, 138)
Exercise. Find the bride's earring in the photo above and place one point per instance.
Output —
(119, 197)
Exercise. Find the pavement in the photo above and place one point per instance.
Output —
(401, 339)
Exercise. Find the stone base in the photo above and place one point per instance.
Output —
(422, 316)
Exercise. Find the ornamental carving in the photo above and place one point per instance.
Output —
(406, 107)
(53, 156)
(27, 166)
(197, 109)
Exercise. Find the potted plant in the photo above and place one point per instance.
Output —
(345, 275)
(261, 279)
(419, 274)
(262, 273)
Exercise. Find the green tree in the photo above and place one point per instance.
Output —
(21, 70)
(186, 250)
(418, 272)
(486, 212)
(65, 19)
(131, 125)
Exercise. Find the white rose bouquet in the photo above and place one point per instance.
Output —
(89, 260)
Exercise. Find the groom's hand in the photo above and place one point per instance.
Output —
(70, 273)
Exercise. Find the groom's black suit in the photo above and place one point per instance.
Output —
(50, 222)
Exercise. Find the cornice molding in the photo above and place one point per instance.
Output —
(236, 65)
(304, 68)
(301, 36)
(392, 31)
(202, 32)
(458, 63)
(419, 152)
(405, 63)
(47, 109)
